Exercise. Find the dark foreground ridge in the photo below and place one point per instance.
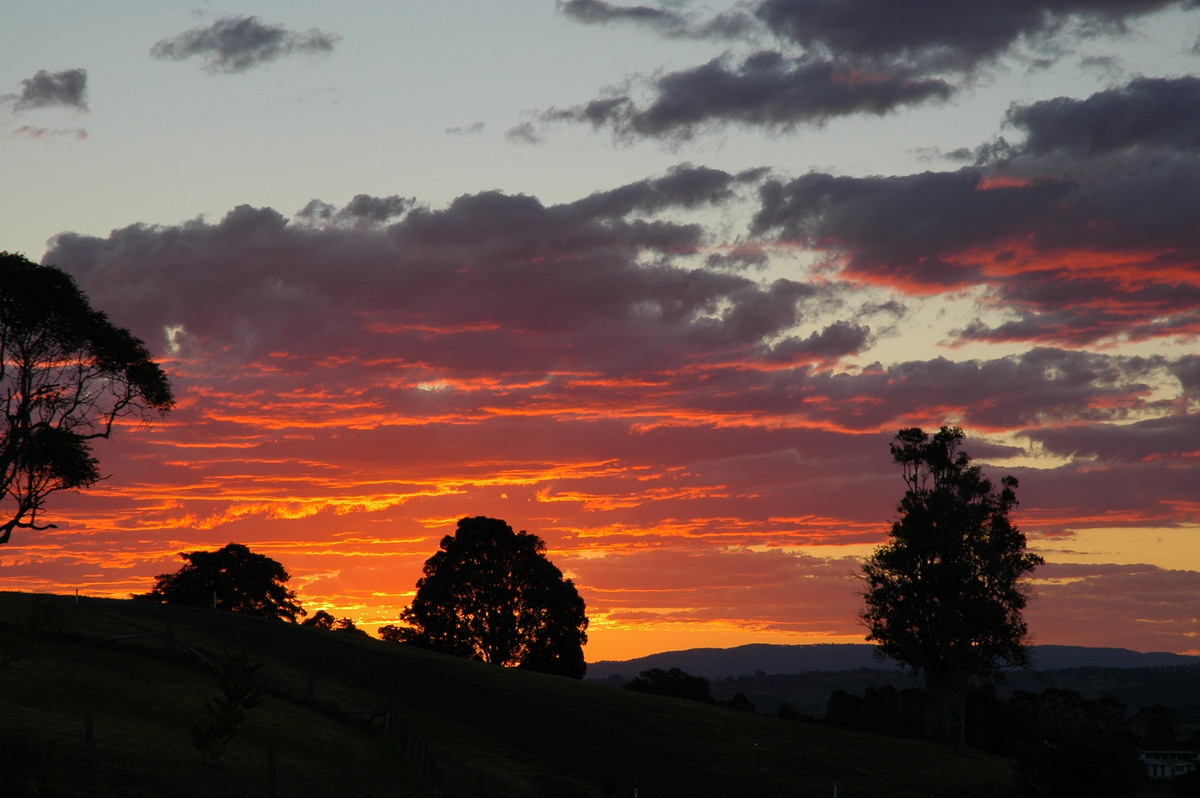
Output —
(102, 696)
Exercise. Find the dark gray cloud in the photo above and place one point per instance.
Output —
(739, 257)
(825, 347)
(670, 21)
(1148, 112)
(363, 210)
(593, 281)
(1044, 386)
(903, 229)
(1076, 259)
(65, 89)
(237, 44)
(524, 133)
(766, 89)
(77, 133)
(1083, 231)
(1187, 369)
(472, 129)
(1053, 305)
(1139, 442)
(684, 186)
(934, 35)
(597, 11)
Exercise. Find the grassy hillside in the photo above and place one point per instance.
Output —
(457, 728)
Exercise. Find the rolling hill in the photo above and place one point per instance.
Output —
(804, 676)
(100, 697)
(721, 663)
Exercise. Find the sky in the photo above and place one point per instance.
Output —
(658, 283)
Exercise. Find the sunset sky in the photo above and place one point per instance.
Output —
(657, 283)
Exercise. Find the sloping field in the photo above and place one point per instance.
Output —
(99, 698)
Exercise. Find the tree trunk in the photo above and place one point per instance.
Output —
(946, 709)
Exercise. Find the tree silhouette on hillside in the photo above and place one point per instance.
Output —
(672, 682)
(67, 374)
(232, 578)
(491, 594)
(325, 620)
(945, 595)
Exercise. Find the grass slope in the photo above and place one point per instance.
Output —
(459, 728)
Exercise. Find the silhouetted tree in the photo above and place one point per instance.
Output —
(392, 633)
(67, 374)
(235, 578)
(490, 594)
(740, 702)
(879, 710)
(324, 620)
(945, 596)
(844, 710)
(1071, 745)
(673, 682)
(1156, 725)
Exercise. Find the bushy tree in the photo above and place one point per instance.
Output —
(491, 594)
(879, 710)
(1066, 744)
(67, 376)
(235, 578)
(392, 633)
(325, 620)
(672, 682)
(945, 595)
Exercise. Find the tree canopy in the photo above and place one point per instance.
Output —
(67, 375)
(233, 579)
(322, 619)
(674, 682)
(491, 594)
(945, 595)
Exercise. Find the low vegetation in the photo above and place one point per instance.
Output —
(103, 697)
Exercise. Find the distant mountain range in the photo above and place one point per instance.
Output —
(722, 663)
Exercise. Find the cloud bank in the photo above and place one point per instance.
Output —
(583, 370)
